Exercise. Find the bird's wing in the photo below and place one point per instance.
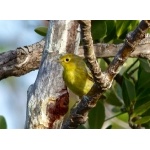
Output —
(89, 74)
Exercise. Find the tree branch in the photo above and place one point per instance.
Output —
(21, 61)
(89, 52)
(79, 113)
(25, 59)
(131, 41)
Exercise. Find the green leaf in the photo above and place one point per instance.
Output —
(111, 31)
(128, 91)
(98, 29)
(103, 65)
(122, 27)
(41, 30)
(117, 30)
(109, 127)
(3, 124)
(141, 109)
(110, 26)
(143, 120)
(145, 64)
(142, 99)
(143, 95)
(143, 82)
(97, 116)
(114, 95)
(112, 99)
(81, 127)
(133, 25)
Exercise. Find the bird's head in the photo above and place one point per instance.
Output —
(70, 61)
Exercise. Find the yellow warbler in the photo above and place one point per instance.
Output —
(76, 75)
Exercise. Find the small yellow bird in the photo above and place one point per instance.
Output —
(76, 75)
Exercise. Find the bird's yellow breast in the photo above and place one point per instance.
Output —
(75, 74)
(80, 84)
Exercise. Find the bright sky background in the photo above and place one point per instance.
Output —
(14, 89)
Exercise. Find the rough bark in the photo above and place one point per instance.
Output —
(89, 52)
(48, 97)
(21, 61)
(25, 59)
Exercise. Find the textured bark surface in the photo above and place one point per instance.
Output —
(21, 61)
(48, 97)
(25, 59)
(89, 53)
(142, 50)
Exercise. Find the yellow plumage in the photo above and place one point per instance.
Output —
(76, 75)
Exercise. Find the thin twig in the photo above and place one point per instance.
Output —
(131, 66)
(115, 116)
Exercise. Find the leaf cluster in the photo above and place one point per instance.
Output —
(129, 95)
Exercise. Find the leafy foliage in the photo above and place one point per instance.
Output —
(114, 96)
(115, 30)
(3, 124)
(41, 30)
(135, 86)
(97, 116)
(128, 92)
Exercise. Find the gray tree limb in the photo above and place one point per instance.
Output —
(25, 59)
(21, 61)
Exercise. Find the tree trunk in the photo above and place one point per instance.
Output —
(48, 98)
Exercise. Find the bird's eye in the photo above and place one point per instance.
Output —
(67, 59)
